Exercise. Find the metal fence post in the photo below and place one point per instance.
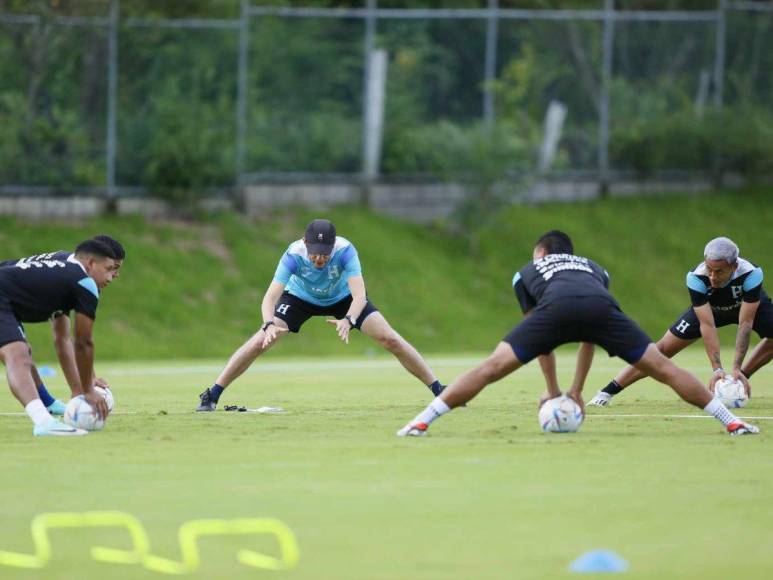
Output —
(112, 90)
(241, 93)
(719, 57)
(369, 44)
(719, 84)
(606, 79)
(491, 62)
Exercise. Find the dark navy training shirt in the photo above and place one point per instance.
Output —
(41, 287)
(559, 276)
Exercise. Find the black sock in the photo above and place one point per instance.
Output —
(215, 392)
(613, 388)
(436, 388)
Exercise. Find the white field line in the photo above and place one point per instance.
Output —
(113, 413)
(604, 416)
(302, 365)
(283, 367)
(622, 416)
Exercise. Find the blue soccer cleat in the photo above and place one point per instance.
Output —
(56, 429)
(56, 408)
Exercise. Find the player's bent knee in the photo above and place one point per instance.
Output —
(19, 359)
(390, 341)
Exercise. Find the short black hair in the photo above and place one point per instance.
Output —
(555, 242)
(115, 245)
(95, 248)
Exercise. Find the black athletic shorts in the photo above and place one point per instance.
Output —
(688, 327)
(595, 319)
(295, 311)
(11, 329)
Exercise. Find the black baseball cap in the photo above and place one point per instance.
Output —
(320, 237)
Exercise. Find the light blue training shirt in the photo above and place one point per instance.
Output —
(320, 286)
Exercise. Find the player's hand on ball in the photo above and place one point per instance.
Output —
(577, 398)
(99, 382)
(718, 375)
(342, 328)
(98, 403)
(546, 396)
(739, 376)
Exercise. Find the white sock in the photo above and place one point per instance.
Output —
(716, 408)
(37, 412)
(435, 409)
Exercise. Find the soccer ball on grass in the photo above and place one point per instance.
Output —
(560, 415)
(731, 393)
(81, 415)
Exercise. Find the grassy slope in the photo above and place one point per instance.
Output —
(486, 496)
(194, 290)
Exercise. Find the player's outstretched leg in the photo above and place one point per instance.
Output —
(376, 327)
(669, 345)
(239, 362)
(501, 363)
(687, 386)
(18, 366)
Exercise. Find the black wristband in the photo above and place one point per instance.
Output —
(266, 325)
(350, 319)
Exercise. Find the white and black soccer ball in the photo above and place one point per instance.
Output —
(107, 394)
(560, 415)
(81, 415)
(731, 393)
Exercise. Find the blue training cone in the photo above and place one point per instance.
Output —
(46, 372)
(597, 561)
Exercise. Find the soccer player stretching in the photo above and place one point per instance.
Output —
(565, 299)
(724, 289)
(319, 275)
(63, 344)
(37, 289)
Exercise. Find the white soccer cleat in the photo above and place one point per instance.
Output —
(56, 429)
(742, 428)
(413, 430)
(601, 399)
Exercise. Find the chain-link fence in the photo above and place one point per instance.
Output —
(98, 98)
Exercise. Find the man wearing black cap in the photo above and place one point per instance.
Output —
(319, 275)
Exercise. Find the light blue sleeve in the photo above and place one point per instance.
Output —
(90, 285)
(350, 262)
(286, 268)
(753, 280)
(516, 278)
(696, 284)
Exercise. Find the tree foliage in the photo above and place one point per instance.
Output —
(177, 94)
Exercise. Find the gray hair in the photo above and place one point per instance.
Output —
(721, 249)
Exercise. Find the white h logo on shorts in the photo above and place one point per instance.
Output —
(283, 308)
(682, 326)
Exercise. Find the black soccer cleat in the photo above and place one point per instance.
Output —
(207, 404)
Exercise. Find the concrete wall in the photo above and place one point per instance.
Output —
(419, 202)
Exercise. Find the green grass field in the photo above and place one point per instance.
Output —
(487, 495)
(193, 289)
